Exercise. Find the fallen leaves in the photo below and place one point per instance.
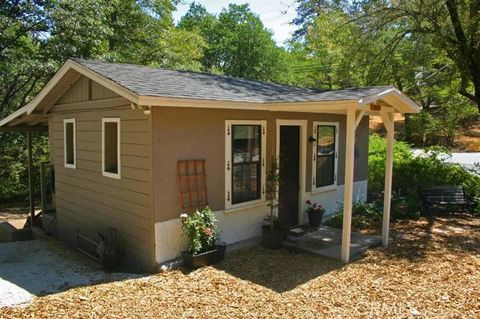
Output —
(418, 276)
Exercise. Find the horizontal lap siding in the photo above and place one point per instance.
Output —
(88, 201)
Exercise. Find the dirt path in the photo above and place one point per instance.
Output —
(431, 270)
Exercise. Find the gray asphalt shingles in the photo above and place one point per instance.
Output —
(148, 81)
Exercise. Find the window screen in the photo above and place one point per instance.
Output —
(246, 159)
(111, 150)
(325, 170)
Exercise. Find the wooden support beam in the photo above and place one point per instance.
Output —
(387, 119)
(348, 190)
(389, 124)
(358, 117)
(30, 177)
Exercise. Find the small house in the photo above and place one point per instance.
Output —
(134, 146)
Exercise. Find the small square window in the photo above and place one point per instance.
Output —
(111, 147)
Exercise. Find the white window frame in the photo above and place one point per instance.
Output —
(228, 162)
(104, 173)
(314, 157)
(65, 164)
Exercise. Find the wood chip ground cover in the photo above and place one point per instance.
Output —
(430, 270)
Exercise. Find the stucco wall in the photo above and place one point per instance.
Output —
(190, 133)
(243, 224)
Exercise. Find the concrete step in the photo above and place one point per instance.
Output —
(9, 232)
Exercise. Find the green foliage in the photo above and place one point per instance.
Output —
(412, 44)
(272, 186)
(411, 174)
(238, 44)
(363, 215)
(201, 230)
(476, 209)
(13, 165)
(37, 36)
(441, 125)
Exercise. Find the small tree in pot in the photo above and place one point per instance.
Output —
(315, 213)
(272, 237)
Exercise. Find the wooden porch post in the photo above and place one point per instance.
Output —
(387, 118)
(348, 192)
(30, 177)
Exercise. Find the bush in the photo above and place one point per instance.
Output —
(363, 215)
(411, 174)
(201, 230)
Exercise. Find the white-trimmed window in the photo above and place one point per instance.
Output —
(69, 143)
(111, 147)
(325, 155)
(244, 162)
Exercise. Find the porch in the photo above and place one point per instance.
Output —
(326, 241)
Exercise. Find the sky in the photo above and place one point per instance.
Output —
(271, 12)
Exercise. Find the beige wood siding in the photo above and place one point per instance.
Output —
(190, 133)
(86, 200)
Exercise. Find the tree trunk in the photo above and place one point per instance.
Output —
(468, 59)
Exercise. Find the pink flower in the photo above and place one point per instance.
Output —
(314, 205)
(309, 202)
(207, 231)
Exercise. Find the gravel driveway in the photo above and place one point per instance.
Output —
(41, 267)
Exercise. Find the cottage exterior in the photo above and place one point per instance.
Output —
(117, 131)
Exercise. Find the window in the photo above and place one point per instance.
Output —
(325, 157)
(69, 143)
(111, 147)
(245, 162)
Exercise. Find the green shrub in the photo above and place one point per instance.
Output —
(363, 215)
(411, 174)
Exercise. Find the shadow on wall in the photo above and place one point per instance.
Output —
(278, 270)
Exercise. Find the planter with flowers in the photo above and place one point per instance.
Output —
(204, 246)
(315, 213)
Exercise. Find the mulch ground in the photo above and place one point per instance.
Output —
(432, 269)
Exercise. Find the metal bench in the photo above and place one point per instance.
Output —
(444, 196)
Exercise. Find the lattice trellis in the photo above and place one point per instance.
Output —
(192, 181)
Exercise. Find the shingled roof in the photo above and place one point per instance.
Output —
(149, 81)
(147, 86)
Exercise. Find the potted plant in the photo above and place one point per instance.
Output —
(315, 213)
(204, 246)
(272, 235)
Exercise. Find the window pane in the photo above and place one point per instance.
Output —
(69, 158)
(111, 147)
(325, 156)
(246, 153)
(246, 178)
(246, 143)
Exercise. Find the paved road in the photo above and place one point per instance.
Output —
(467, 160)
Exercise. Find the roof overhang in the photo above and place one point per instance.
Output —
(391, 97)
(36, 111)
